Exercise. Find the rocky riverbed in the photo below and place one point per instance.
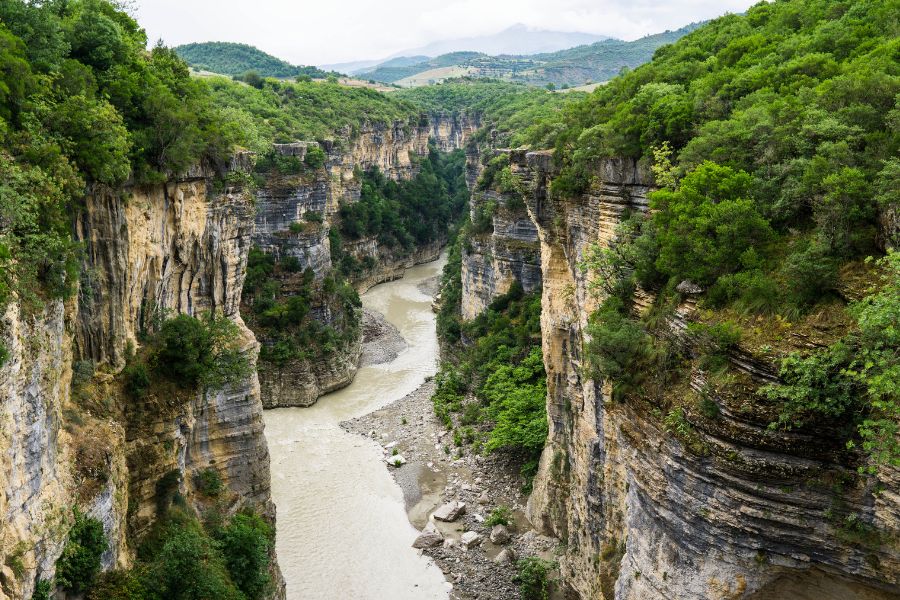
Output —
(432, 471)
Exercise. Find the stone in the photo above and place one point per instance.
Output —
(484, 498)
(500, 534)
(396, 460)
(450, 511)
(470, 539)
(688, 288)
(506, 556)
(429, 537)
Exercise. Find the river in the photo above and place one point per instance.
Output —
(343, 531)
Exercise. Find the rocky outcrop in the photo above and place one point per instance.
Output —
(493, 261)
(149, 251)
(293, 218)
(716, 508)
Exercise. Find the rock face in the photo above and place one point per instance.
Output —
(644, 514)
(286, 201)
(508, 252)
(148, 251)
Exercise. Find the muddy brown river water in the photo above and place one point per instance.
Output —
(343, 531)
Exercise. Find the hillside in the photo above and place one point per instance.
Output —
(576, 66)
(229, 58)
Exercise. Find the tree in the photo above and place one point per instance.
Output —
(79, 564)
(246, 543)
(708, 227)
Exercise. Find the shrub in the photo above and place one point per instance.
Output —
(190, 567)
(209, 482)
(194, 351)
(137, 378)
(119, 585)
(42, 590)
(246, 543)
(501, 515)
(810, 274)
(79, 564)
(533, 578)
(618, 346)
(315, 157)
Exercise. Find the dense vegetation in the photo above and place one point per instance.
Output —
(228, 58)
(82, 102)
(520, 115)
(282, 111)
(281, 297)
(184, 558)
(491, 389)
(79, 564)
(410, 213)
(596, 62)
(774, 136)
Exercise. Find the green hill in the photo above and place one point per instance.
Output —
(596, 62)
(229, 58)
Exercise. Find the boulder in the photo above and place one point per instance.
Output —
(506, 556)
(450, 512)
(500, 534)
(470, 539)
(396, 460)
(429, 537)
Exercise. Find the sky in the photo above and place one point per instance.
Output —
(331, 31)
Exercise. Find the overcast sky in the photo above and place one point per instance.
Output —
(330, 31)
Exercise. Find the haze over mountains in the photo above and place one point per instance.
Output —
(516, 54)
(518, 39)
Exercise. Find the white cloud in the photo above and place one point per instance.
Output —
(328, 31)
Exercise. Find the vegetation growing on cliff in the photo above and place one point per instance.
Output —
(283, 112)
(409, 213)
(186, 559)
(491, 391)
(520, 115)
(774, 136)
(280, 297)
(83, 102)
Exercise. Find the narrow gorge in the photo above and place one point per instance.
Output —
(309, 336)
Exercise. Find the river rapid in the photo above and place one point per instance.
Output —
(343, 531)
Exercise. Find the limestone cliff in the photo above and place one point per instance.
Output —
(179, 247)
(726, 509)
(502, 251)
(293, 218)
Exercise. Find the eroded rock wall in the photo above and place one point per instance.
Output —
(733, 511)
(149, 251)
(508, 252)
(286, 201)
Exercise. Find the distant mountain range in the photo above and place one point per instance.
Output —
(228, 58)
(517, 39)
(570, 67)
(591, 63)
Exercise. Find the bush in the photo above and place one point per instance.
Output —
(315, 157)
(618, 347)
(533, 578)
(209, 482)
(42, 590)
(137, 378)
(501, 515)
(119, 585)
(246, 543)
(203, 351)
(79, 564)
(190, 567)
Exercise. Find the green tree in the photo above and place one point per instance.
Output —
(190, 567)
(79, 564)
(246, 544)
(708, 227)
